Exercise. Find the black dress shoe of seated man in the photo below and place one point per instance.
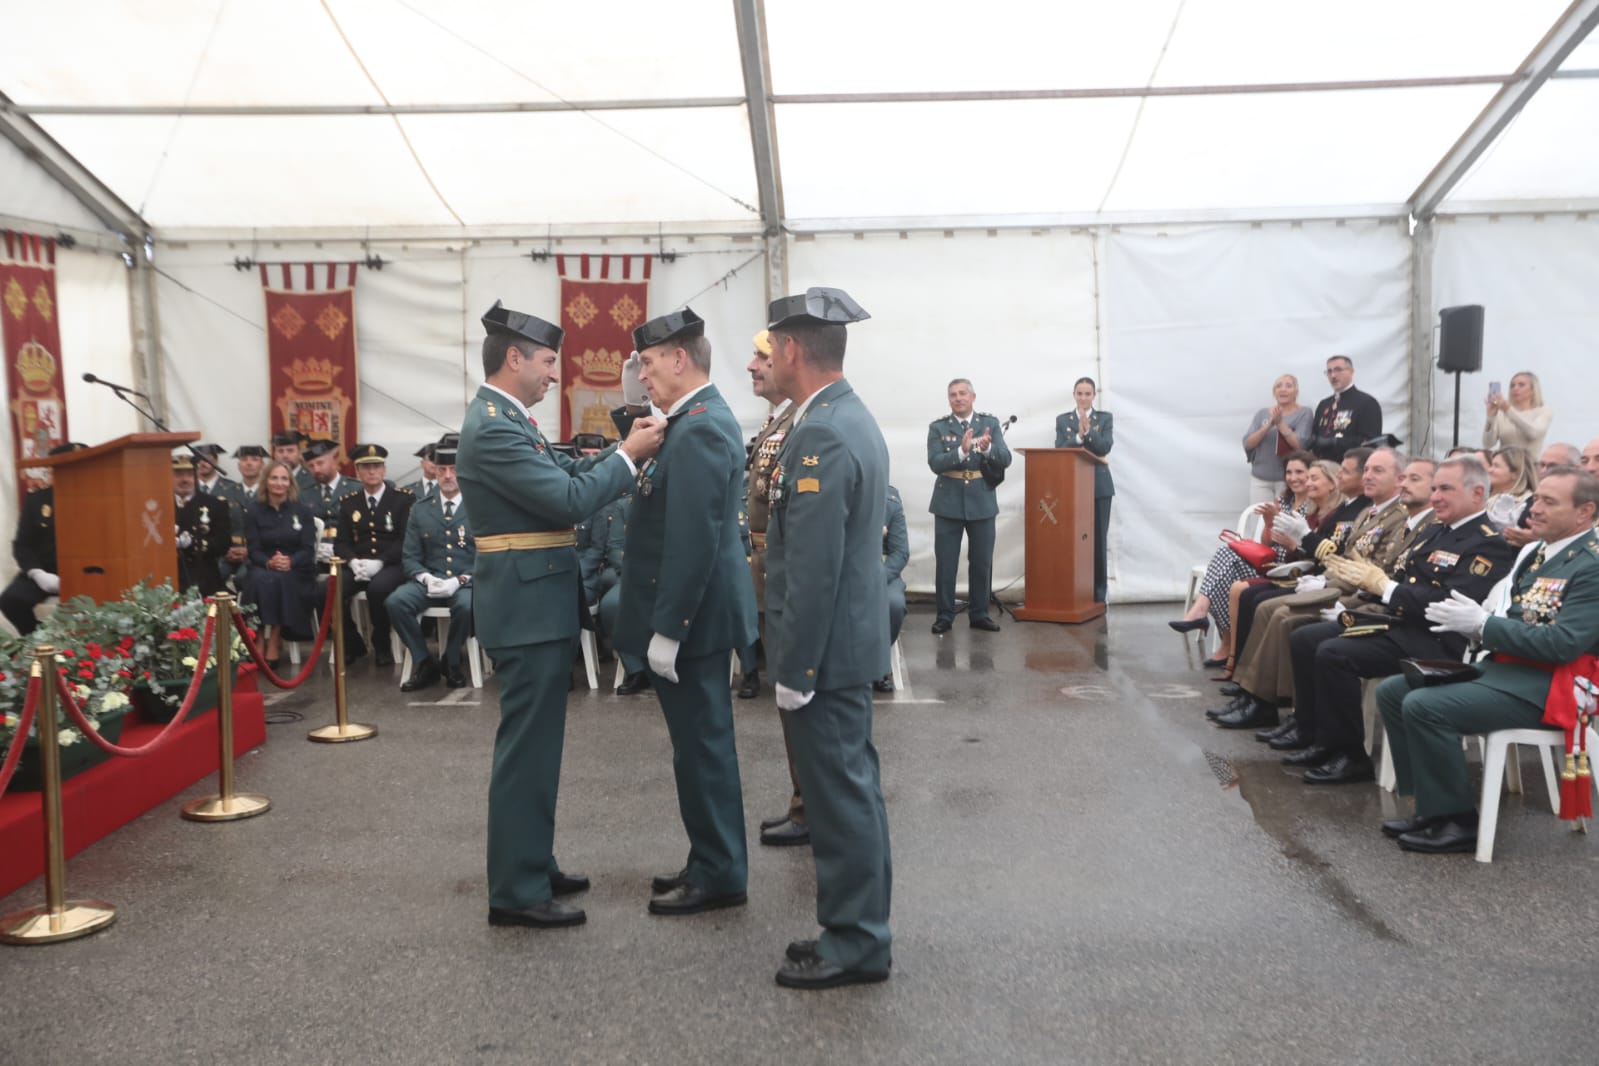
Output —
(941, 626)
(1257, 715)
(688, 899)
(1342, 769)
(789, 834)
(550, 914)
(1293, 740)
(813, 973)
(568, 884)
(1231, 689)
(1456, 833)
(884, 684)
(1315, 755)
(750, 687)
(987, 625)
(1288, 725)
(1414, 824)
(633, 684)
(453, 677)
(660, 885)
(1238, 703)
(383, 656)
(426, 675)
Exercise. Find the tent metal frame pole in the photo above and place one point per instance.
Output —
(757, 68)
(1562, 39)
(512, 107)
(1422, 243)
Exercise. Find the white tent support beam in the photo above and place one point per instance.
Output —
(1421, 442)
(1561, 40)
(757, 68)
(1142, 91)
(324, 110)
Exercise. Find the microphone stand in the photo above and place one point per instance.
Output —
(122, 394)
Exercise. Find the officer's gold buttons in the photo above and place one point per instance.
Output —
(811, 673)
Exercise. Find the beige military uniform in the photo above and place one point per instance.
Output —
(758, 503)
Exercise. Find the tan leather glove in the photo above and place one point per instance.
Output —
(1358, 573)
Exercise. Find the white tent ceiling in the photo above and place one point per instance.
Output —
(204, 115)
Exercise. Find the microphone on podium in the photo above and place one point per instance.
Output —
(113, 386)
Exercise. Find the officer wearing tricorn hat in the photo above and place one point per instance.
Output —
(424, 486)
(827, 623)
(437, 560)
(526, 500)
(203, 530)
(687, 603)
(210, 481)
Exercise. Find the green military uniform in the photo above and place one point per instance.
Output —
(896, 553)
(1552, 617)
(325, 502)
(306, 483)
(422, 488)
(601, 543)
(1099, 440)
(685, 577)
(963, 504)
(525, 500)
(438, 543)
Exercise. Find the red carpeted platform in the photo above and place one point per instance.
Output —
(97, 802)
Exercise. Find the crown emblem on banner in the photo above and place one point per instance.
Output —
(36, 366)
(312, 375)
(602, 366)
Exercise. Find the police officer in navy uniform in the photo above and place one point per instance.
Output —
(437, 561)
(371, 541)
(204, 530)
(34, 549)
(963, 504)
(1347, 417)
(896, 553)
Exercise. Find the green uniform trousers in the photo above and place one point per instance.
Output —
(610, 609)
(527, 770)
(699, 717)
(405, 606)
(1424, 728)
(839, 773)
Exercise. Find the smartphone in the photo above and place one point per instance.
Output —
(1493, 388)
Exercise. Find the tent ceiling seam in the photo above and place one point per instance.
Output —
(188, 93)
(1132, 130)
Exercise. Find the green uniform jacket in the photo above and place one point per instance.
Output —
(328, 510)
(1553, 618)
(434, 546)
(953, 498)
(896, 541)
(826, 599)
(685, 575)
(600, 541)
(518, 485)
(1099, 440)
(306, 482)
(422, 489)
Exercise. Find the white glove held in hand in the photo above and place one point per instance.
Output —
(184, 540)
(790, 700)
(1458, 614)
(1331, 614)
(663, 657)
(1291, 525)
(49, 584)
(445, 587)
(1310, 583)
(634, 394)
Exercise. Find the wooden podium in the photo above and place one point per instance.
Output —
(115, 514)
(1060, 536)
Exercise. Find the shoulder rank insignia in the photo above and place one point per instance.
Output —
(1489, 531)
(698, 410)
(812, 460)
(1481, 567)
(807, 484)
(489, 404)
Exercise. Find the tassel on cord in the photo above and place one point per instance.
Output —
(1568, 788)
(1583, 783)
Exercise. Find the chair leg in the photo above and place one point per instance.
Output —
(1513, 769)
(620, 673)
(474, 656)
(1493, 775)
(1386, 778)
(1551, 780)
(590, 658)
(405, 665)
(896, 659)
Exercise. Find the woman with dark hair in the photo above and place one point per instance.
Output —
(1092, 430)
(281, 534)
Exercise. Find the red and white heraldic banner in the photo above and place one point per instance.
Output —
(311, 354)
(33, 351)
(603, 297)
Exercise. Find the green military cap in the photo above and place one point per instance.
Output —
(318, 448)
(445, 449)
(249, 451)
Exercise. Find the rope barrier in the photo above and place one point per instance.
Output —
(87, 728)
(311, 660)
(19, 739)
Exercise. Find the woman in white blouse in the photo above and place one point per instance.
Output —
(1519, 421)
(1512, 479)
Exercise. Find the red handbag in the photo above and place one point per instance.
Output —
(1253, 552)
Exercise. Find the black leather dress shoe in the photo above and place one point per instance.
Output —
(813, 973)
(383, 656)
(987, 625)
(1257, 715)
(425, 675)
(1342, 770)
(1414, 824)
(686, 899)
(1238, 703)
(633, 684)
(354, 653)
(546, 915)
(800, 950)
(1293, 740)
(1315, 755)
(884, 684)
(773, 823)
(941, 626)
(662, 885)
(750, 687)
(453, 677)
(1266, 736)
(1448, 836)
(1231, 688)
(788, 835)
(568, 884)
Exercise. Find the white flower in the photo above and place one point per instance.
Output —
(67, 737)
(190, 661)
(113, 700)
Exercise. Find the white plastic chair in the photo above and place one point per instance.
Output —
(474, 654)
(1501, 771)
(361, 613)
(1248, 526)
(896, 659)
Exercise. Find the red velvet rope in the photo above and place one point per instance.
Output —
(20, 738)
(79, 719)
(316, 649)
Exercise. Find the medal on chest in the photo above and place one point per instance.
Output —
(294, 524)
(1541, 602)
(388, 521)
(646, 484)
(1442, 560)
(776, 493)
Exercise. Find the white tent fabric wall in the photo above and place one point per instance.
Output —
(1198, 322)
(33, 196)
(1535, 279)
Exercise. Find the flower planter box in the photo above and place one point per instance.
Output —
(75, 758)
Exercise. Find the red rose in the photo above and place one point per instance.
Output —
(86, 672)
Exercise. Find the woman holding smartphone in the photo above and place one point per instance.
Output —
(1520, 420)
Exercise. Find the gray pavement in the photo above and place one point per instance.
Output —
(1086, 872)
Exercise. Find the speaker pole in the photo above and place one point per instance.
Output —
(1456, 443)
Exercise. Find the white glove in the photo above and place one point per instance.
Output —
(426, 581)
(1291, 525)
(444, 588)
(634, 394)
(324, 550)
(1332, 614)
(1458, 614)
(365, 569)
(49, 584)
(1310, 583)
(791, 700)
(184, 540)
(663, 657)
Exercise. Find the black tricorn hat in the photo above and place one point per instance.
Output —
(210, 451)
(501, 319)
(425, 452)
(1385, 440)
(817, 304)
(677, 325)
(318, 448)
(250, 451)
(285, 437)
(444, 451)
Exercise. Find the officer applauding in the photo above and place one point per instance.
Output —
(963, 503)
(437, 561)
(371, 542)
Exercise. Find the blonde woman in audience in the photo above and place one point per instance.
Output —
(1512, 478)
(1273, 434)
(1519, 420)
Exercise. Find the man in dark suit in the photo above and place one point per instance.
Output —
(896, 553)
(687, 604)
(34, 549)
(1347, 417)
(371, 542)
(963, 504)
(827, 617)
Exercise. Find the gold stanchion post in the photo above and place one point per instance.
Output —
(59, 919)
(226, 806)
(346, 730)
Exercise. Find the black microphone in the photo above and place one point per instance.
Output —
(1009, 422)
(113, 386)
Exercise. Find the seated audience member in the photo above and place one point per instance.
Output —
(1463, 553)
(1520, 534)
(203, 530)
(210, 481)
(1511, 479)
(280, 533)
(896, 553)
(437, 560)
(1519, 420)
(1589, 459)
(34, 549)
(428, 483)
(1397, 515)
(1273, 434)
(601, 562)
(1538, 636)
(371, 542)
